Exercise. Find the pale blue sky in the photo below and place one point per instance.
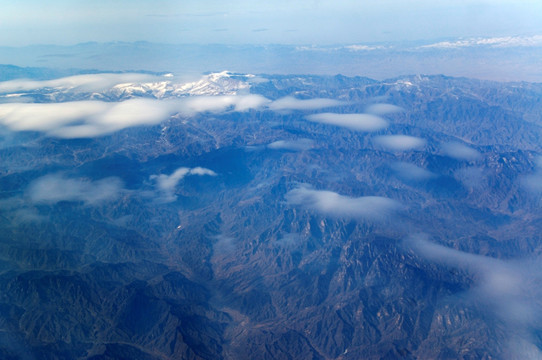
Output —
(317, 22)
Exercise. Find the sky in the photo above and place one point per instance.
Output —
(320, 22)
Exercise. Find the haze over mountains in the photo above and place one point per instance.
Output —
(502, 58)
(238, 216)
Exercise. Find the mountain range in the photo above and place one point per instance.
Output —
(242, 216)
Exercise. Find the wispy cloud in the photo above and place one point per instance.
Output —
(291, 103)
(400, 142)
(504, 41)
(54, 188)
(508, 290)
(411, 172)
(292, 145)
(359, 122)
(330, 203)
(460, 151)
(167, 183)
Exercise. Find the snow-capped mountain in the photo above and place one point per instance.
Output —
(222, 83)
(114, 87)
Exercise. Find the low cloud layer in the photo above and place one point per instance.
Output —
(291, 103)
(533, 182)
(82, 119)
(383, 109)
(289, 240)
(364, 47)
(471, 177)
(167, 183)
(78, 83)
(460, 151)
(400, 142)
(197, 104)
(20, 211)
(507, 290)
(330, 203)
(54, 188)
(292, 145)
(411, 172)
(359, 122)
(499, 42)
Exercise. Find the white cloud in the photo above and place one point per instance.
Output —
(330, 203)
(293, 145)
(291, 103)
(508, 290)
(289, 240)
(55, 188)
(383, 109)
(317, 48)
(359, 122)
(460, 152)
(11, 203)
(224, 245)
(197, 104)
(351, 48)
(46, 117)
(26, 215)
(364, 47)
(504, 41)
(533, 182)
(168, 183)
(471, 177)
(409, 171)
(20, 211)
(400, 142)
(117, 116)
(202, 171)
(83, 83)
(80, 119)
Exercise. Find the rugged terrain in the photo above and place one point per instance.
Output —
(266, 233)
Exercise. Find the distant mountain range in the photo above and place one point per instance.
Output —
(506, 58)
(236, 216)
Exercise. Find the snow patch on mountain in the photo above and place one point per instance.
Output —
(222, 83)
